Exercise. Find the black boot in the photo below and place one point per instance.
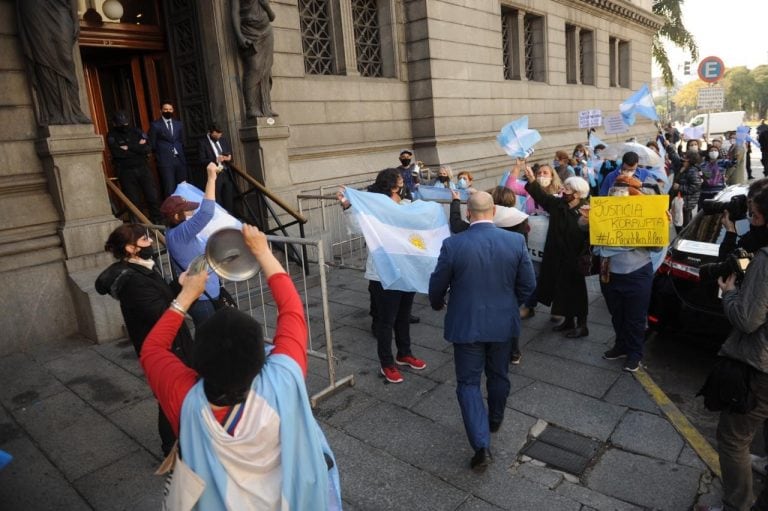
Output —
(567, 324)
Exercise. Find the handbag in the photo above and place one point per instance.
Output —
(224, 300)
(727, 388)
(588, 263)
(183, 488)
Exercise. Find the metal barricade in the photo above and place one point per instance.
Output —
(254, 298)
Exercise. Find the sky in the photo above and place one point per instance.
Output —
(714, 25)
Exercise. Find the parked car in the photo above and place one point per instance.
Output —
(680, 300)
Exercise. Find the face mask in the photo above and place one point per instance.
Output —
(146, 253)
(713, 155)
(121, 129)
(578, 155)
(556, 164)
(443, 179)
(693, 148)
(462, 183)
(167, 115)
(544, 181)
(568, 197)
(597, 154)
(405, 161)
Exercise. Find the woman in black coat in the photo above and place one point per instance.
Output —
(144, 296)
(560, 283)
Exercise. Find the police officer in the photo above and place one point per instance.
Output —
(129, 149)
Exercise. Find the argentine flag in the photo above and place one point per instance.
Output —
(641, 102)
(517, 139)
(221, 218)
(404, 240)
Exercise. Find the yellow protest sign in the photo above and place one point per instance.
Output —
(629, 221)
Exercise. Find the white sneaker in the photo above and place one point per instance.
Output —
(758, 463)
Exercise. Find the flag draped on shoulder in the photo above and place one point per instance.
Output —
(517, 139)
(641, 102)
(404, 240)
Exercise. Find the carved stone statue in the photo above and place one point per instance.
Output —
(48, 30)
(252, 21)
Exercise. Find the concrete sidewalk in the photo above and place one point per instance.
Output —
(81, 424)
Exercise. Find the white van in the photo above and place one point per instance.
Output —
(719, 122)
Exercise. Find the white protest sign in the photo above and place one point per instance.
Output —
(590, 118)
(614, 124)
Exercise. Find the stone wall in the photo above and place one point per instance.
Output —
(449, 98)
(34, 296)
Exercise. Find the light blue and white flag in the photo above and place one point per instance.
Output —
(594, 141)
(404, 240)
(517, 139)
(641, 102)
(425, 192)
(221, 218)
(743, 135)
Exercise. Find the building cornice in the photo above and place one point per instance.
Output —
(623, 9)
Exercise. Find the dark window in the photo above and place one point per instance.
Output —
(510, 40)
(533, 30)
(316, 37)
(365, 18)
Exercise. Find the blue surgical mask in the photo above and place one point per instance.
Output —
(462, 183)
(556, 164)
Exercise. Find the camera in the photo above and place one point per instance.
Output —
(737, 262)
(736, 207)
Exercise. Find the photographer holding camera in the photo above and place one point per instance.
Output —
(755, 238)
(746, 308)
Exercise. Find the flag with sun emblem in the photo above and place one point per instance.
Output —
(404, 240)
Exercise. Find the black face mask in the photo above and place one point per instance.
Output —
(405, 161)
(146, 253)
(167, 115)
(443, 179)
(755, 239)
(568, 197)
(121, 129)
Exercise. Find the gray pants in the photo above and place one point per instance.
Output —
(735, 432)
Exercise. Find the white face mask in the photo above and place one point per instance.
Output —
(713, 155)
(544, 181)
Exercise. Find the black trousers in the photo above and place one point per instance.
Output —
(226, 191)
(172, 175)
(393, 312)
(136, 182)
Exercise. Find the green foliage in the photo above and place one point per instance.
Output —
(674, 31)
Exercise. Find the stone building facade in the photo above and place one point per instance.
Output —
(355, 81)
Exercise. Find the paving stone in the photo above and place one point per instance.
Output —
(139, 422)
(630, 477)
(568, 409)
(73, 435)
(445, 373)
(122, 354)
(590, 353)
(31, 483)
(23, 381)
(374, 480)
(128, 483)
(593, 499)
(582, 378)
(524, 495)
(541, 475)
(689, 458)
(339, 409)
(628, 392)
(369, 380)
(648, 434)
(106, 386)
(475, 504)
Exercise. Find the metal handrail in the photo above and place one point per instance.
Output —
(265, 191)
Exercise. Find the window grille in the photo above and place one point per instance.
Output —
(367, 37)
(316, 37)
(528, 30)
(510, 44)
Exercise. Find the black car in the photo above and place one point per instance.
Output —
(680, 300)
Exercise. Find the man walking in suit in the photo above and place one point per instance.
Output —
(215, 148)
(166, 137)
(489, 275)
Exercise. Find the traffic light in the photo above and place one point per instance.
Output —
(687, 67)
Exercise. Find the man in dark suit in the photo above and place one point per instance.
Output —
(215, 148)
(489, 275)
(166, 137)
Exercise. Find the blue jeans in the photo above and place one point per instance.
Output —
(470, 360)
(627, 297)
(201, 310)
